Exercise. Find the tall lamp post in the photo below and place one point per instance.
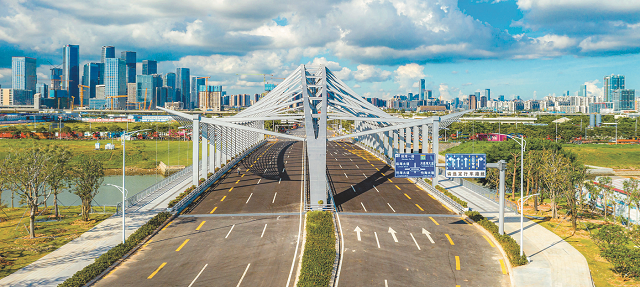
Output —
(520, 140)
(123, 189)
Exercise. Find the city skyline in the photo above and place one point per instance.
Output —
(511, 47)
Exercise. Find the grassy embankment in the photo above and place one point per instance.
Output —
(17, 250)
(140, 154)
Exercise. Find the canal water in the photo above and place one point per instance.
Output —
(107, 195)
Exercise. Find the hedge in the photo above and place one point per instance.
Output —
(450, 195)
(319, 250)
(105, 260)
(509, 245)
(181, 196)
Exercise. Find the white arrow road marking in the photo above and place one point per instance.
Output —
(274, 197)
(265, 228)
(365, 209)
(358, 230)
(391, 207)
(377, 241)
(393, 233)
(428, 234)
(194, 279)
(230, 231)
(414, 241)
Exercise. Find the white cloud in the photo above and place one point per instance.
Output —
(444, 91)
(356, 86)
(407, 75)
(368, 73)
(593, 90)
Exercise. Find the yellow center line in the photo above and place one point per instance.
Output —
(156, 272)
(419, 207)
(487, 238)
(145, 245)
(373, 165)
(467, 221)
(377, 169)
(389, 179)
(449, 237)
(449, 209)
(165, 227)
(430, 195)
(243, 174)
(230, 189)
(224, 197)
(237, 181)
(434, 221)
(457, 263)
(214, 210)
(404, 194)
(183, 244)
(247, 169)
(504, 268)
(201, 224)
(409, 180)
(399, 189)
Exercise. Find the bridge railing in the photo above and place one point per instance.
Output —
(182, 204)
(441, 196)
(486, 193)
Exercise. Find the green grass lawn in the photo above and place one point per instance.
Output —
(17, 250)
(139, 153)
(470, 147)
(612, 156)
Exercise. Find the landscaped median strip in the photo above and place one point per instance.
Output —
(105, 260)
(509, 245)
(319, 250)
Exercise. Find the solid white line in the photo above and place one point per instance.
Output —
(265, 228)
(345, 175)
(295, 254)
(365, 209)
(414, 241)
(354, 190)
(230, 231)
(249, 198)
(274, 197)
(279, 180)
(259, 181)
(391, 207)
(341, 252)
(377, 241)
(376, 188)
(243, 274)
(194, 279)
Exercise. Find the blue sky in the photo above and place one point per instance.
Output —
(530, 48)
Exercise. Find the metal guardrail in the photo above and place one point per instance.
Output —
(182, 204)
(486, 193)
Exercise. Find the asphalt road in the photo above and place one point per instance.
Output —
(396, 234)
(243, 231)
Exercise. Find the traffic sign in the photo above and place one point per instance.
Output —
(415, 165)
(465, 165)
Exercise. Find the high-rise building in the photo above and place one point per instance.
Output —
(107, 53)
(613, 82)
(473, 103)
(129, 60)
(146, 90)
(149, 67)
(42, 89)
(6, 97)
(195, 87)
(91, 77)
(56, 78)
(132, 94)
(429, 94)
(483, 101)
(23, 80)
(623, 99)
(115, 82)
(487, 93)
(170, 80)
(71, 71)
(422, 86)
(183, 86)
(501, 98)
(210, 98)
(583, 91)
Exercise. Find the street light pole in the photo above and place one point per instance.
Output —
(523, 145)
(123, 188)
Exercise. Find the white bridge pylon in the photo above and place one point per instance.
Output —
(311, 95)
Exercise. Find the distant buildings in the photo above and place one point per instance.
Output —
(210, 98)
(130, 61)
(115, 83)
(71, 71)
(422, 86)
(108, 52)
(183, 87)
(23, 80)
(149, 67)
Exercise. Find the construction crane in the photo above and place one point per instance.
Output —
(206, 85)
(82, 94)
(113, 97)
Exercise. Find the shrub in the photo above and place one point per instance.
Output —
(609, 235)
(613, 241)
(450, 195)
(181, 196)
(319, 251)
(509, 245)
(474, 215)
(105, 260)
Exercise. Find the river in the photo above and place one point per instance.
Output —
(107, 195)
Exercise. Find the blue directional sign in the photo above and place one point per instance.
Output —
(415, 165)
(466, 165)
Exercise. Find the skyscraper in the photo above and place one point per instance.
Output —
(473, 103)
(183, 86)
(613, 82)
(429, 94)
(23, 80)
(149, 67)
(487, 92)
(146, 90)
(130, 60)
(195, 87)
(91, 77)
(107, 53)
(623, 99)
(583, 91)
(170, 80)
(71, 71)
(115, 83)
(422, 86)
(56, 77)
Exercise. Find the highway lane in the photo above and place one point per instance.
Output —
(395, 234)
(238, 233)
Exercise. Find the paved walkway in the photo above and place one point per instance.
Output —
(554, 262)
(57, 266)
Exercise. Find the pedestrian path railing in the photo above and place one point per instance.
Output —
(487, 193)
(182, 204)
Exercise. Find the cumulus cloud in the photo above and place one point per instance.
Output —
(593, 90)
(407, 75)
(368, 73)
(444, 91)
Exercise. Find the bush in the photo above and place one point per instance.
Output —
(450, 195)
(319, 250)
(181, 196)
(614, 246)
(105, 260)
(609, 235)
(509, 245)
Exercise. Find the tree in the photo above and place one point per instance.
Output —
(60, 176)
(88, 177)
(633, 195)
(577, 173)
(604, 183)
(556, 176)
(27, 172)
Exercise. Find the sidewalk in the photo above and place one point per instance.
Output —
(554, 262)
(57, 266)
